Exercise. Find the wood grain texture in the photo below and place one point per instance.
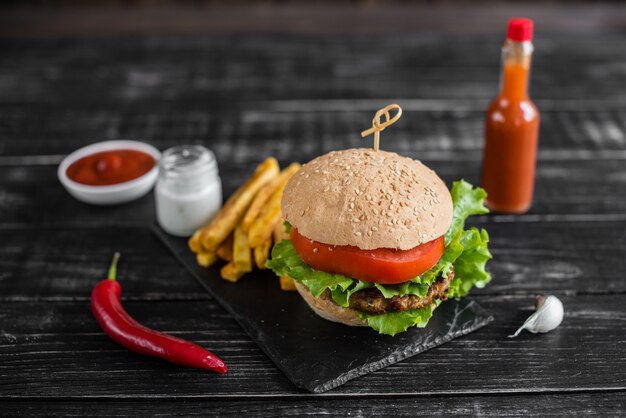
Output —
(248, 96)
(288, 67)
(44, 346)
(240, 136)
(196, 17)
(243, 94)
(32, 194)
(578, 404)
(60, 264)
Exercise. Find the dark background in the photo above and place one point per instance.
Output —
(294, 80)
(102, 17)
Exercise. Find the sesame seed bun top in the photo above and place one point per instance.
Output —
(368, 199)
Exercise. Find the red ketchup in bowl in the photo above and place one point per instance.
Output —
(110, 167)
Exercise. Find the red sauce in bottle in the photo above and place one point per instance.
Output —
(110, 167)
(512, 128)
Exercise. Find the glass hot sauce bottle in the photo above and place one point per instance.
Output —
(512, 128)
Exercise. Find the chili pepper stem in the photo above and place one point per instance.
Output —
(113, 268)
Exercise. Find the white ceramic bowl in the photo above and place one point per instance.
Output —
(116, 193)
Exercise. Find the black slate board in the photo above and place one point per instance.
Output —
(316, 354)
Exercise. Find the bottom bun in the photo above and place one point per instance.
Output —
(329, 310)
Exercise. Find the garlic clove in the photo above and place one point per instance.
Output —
(548, 316)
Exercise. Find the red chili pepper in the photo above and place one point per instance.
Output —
(107, 307)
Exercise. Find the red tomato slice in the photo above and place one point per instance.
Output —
(382, 265)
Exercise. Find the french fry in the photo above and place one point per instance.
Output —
(231, 273)
(212, 235)
(263, 226)
(194, 242)
(206, 259)
(262, 229)
(280, 232)
(242, 259)
(287, 284)
(262, 253)
(265, 193)
(225, 250)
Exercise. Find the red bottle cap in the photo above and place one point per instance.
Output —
(520, 29)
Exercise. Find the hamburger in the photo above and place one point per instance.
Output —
(377, 239)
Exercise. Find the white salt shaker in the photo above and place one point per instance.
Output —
(188, 191)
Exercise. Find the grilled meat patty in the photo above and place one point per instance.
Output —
(371, 301)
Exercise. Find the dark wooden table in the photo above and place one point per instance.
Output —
(294, 97)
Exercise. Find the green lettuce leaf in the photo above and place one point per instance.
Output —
(469, 268)
(465, 253)
(394, 322)
(466, 200)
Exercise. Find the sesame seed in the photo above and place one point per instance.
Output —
(330, 249)
(374, 229)
(355, 220)
(315, 250)
(352, 205)
(327, 188)
(369, 233)
(358, 234)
